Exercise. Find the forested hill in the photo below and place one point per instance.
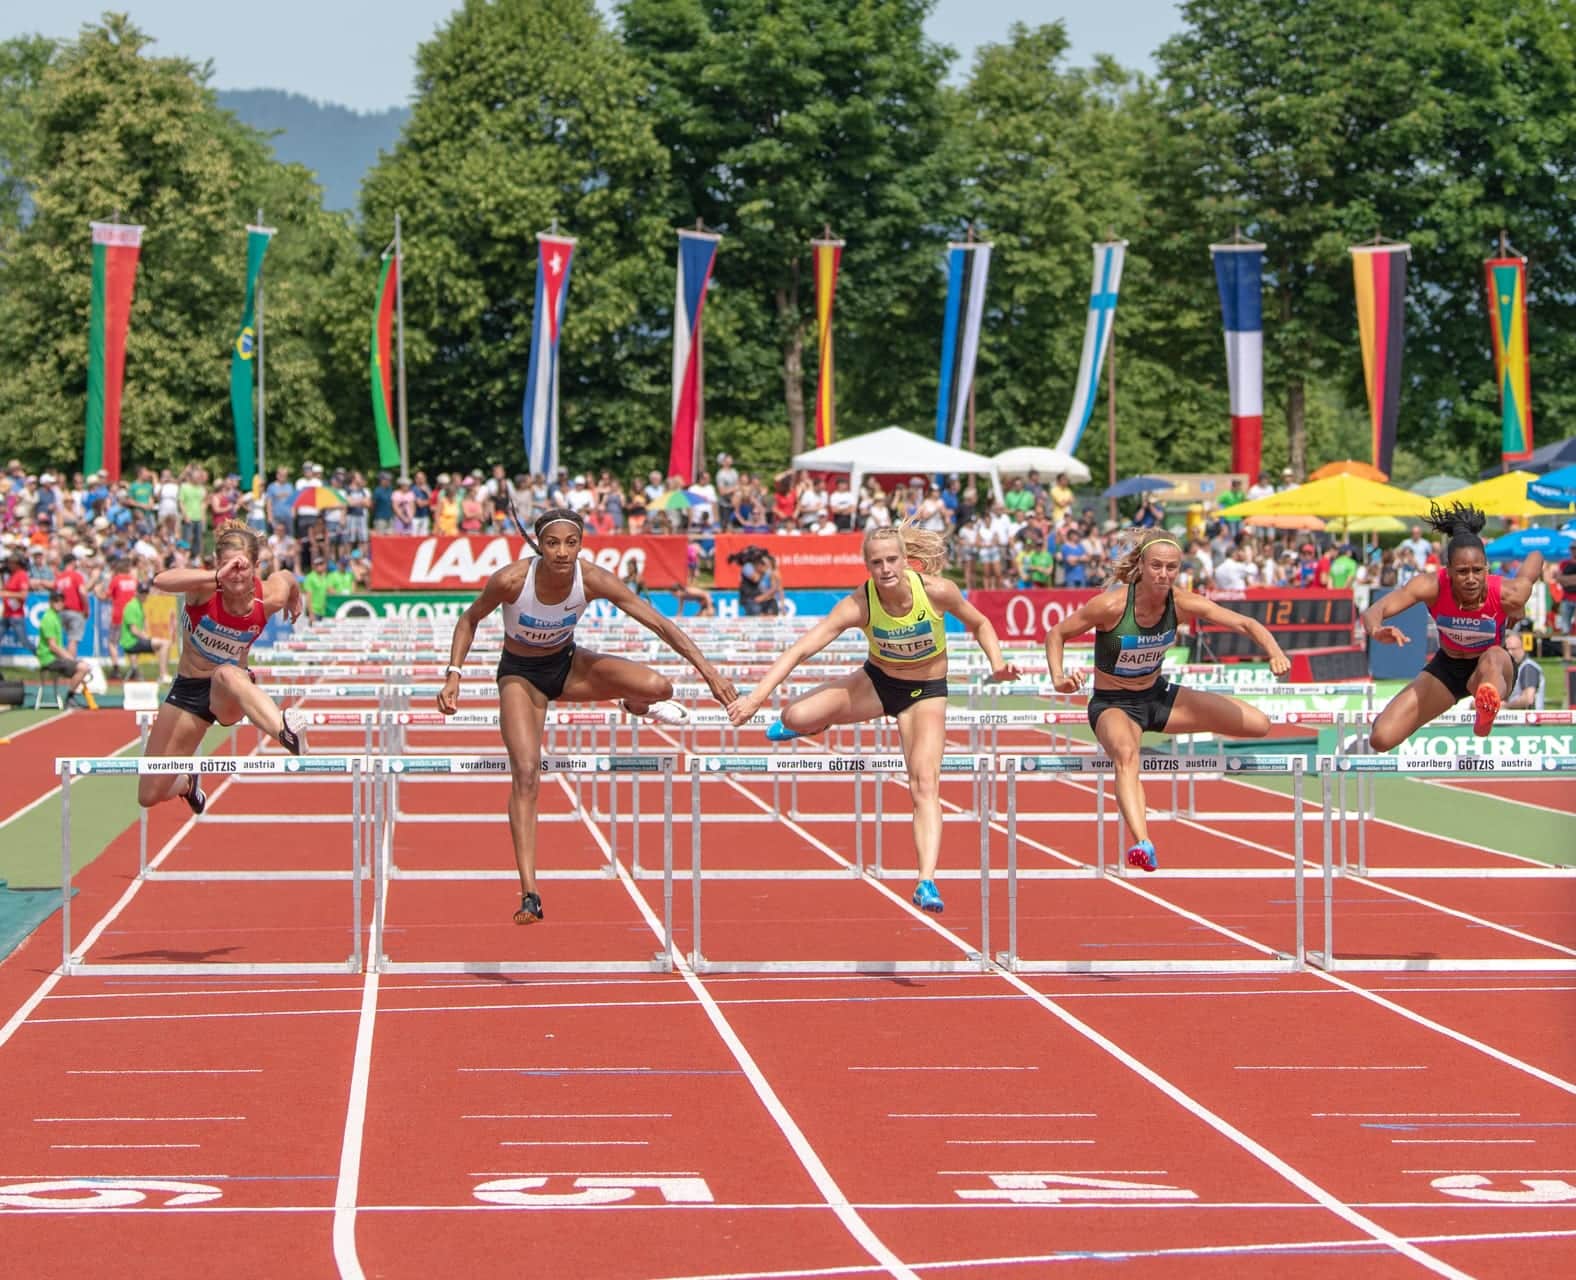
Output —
(336, 143)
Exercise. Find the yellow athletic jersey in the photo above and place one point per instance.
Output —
(918, 636)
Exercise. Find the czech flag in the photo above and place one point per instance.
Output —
(697, 254)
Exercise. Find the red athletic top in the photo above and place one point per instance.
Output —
(122, 587)
(70, 584)
(222, 637)
(18, 581)
(1465, 633)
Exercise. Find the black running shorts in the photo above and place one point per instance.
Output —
(548, 673)
(897, 696)
(1148, 708)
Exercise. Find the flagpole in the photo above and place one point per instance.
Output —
(399, 338)
(262, 432)
(1110, 399)
(700, 395)
(971, 378)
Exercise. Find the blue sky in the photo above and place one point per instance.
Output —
(359, 54)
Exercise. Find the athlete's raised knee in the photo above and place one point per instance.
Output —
(1255, 724)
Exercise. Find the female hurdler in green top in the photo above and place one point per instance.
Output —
(905, 676)
(1135, 622)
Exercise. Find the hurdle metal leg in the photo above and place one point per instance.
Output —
(1008, 959)
(1298, 815)
(65, 868)
(697, 956)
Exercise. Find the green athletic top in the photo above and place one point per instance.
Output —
(1131, 650)
(130, 621)
(49, 628)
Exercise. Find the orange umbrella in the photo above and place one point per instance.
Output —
(1350, 467)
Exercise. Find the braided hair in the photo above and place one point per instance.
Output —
(1460, 522)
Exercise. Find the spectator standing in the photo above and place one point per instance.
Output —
(1074, 557)
(446, 507)
(402, 506)
(314, 589)
(341, 582)
(304, 504)
(932, 511)
(842, 505)
(1061, 501)
(192, 494)
(13, 616)
(1565, 580)
(120, 590)
(1019, 501)
(421, 491)
(1343, 569)
(727, 489)
(71, 588)
(358, 508)
(1418, 545)
(279, 495)
(470, 499)
(580, 498)
(141, 500)
(785, 503)
(382, 504)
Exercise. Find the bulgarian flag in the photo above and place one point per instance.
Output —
(115, 250)
(379, 363)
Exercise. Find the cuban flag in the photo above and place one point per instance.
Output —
(1103, 290)
(968, 267)
(697, 253)
(1239, 274)
(554, 256)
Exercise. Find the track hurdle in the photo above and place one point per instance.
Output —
(252, 767)
(1020, 769)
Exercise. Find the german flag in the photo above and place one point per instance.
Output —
(1380, 274)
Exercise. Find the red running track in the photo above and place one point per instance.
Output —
(669, 1125)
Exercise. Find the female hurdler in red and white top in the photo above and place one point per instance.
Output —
(226, 610)
(1470, 607)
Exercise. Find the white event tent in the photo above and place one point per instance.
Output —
(1050, 463)
(894, 451)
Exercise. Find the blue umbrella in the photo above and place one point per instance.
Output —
(1136, 485)
(1556, 489)
(1523, 542)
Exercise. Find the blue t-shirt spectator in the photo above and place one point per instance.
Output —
(280, 494)
(1073, 557)
(383, 502)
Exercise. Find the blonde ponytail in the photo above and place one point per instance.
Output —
(1124, 569)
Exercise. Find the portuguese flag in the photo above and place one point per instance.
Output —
(115, 250)
(380, 365)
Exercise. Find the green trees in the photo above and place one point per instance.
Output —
(112, 132)
(1309, 126)
(528, 114)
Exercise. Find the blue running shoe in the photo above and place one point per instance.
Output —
(777, 731)
(1142, 855)
(927, 899)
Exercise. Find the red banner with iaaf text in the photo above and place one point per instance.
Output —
(466, 562)
(1023, 616)
(803, 559)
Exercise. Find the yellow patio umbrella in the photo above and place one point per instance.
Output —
(1340, 497)
(1377, 524)
(1503, 495)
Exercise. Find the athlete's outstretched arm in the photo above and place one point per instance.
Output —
(1422, 589)
(1100, 614)
(848, 612)
(1194, 607)
(600, 584)
(282, 591)
(944, 591)
(503, 585)
(1513, 598)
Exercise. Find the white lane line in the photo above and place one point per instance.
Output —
(1295, 1066)
(125, 1146)
(960, 1068)
(992, 1115)
(1088, 1173)
(131, 1119)
(162, 1071)
(1252, 1147)
(811, 1161)
(1463, 1142)
(1534, 1173)
(1020, 1142)
(569, 1143)
(349, 1182)
(52, 980)
(574, 1115)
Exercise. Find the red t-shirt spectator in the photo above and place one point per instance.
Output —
(17, 581)
(122, 587)
(785, 505)
(70, 583)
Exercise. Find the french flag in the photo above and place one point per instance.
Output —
(697, 253)
(554, 256)
(1239, 270)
